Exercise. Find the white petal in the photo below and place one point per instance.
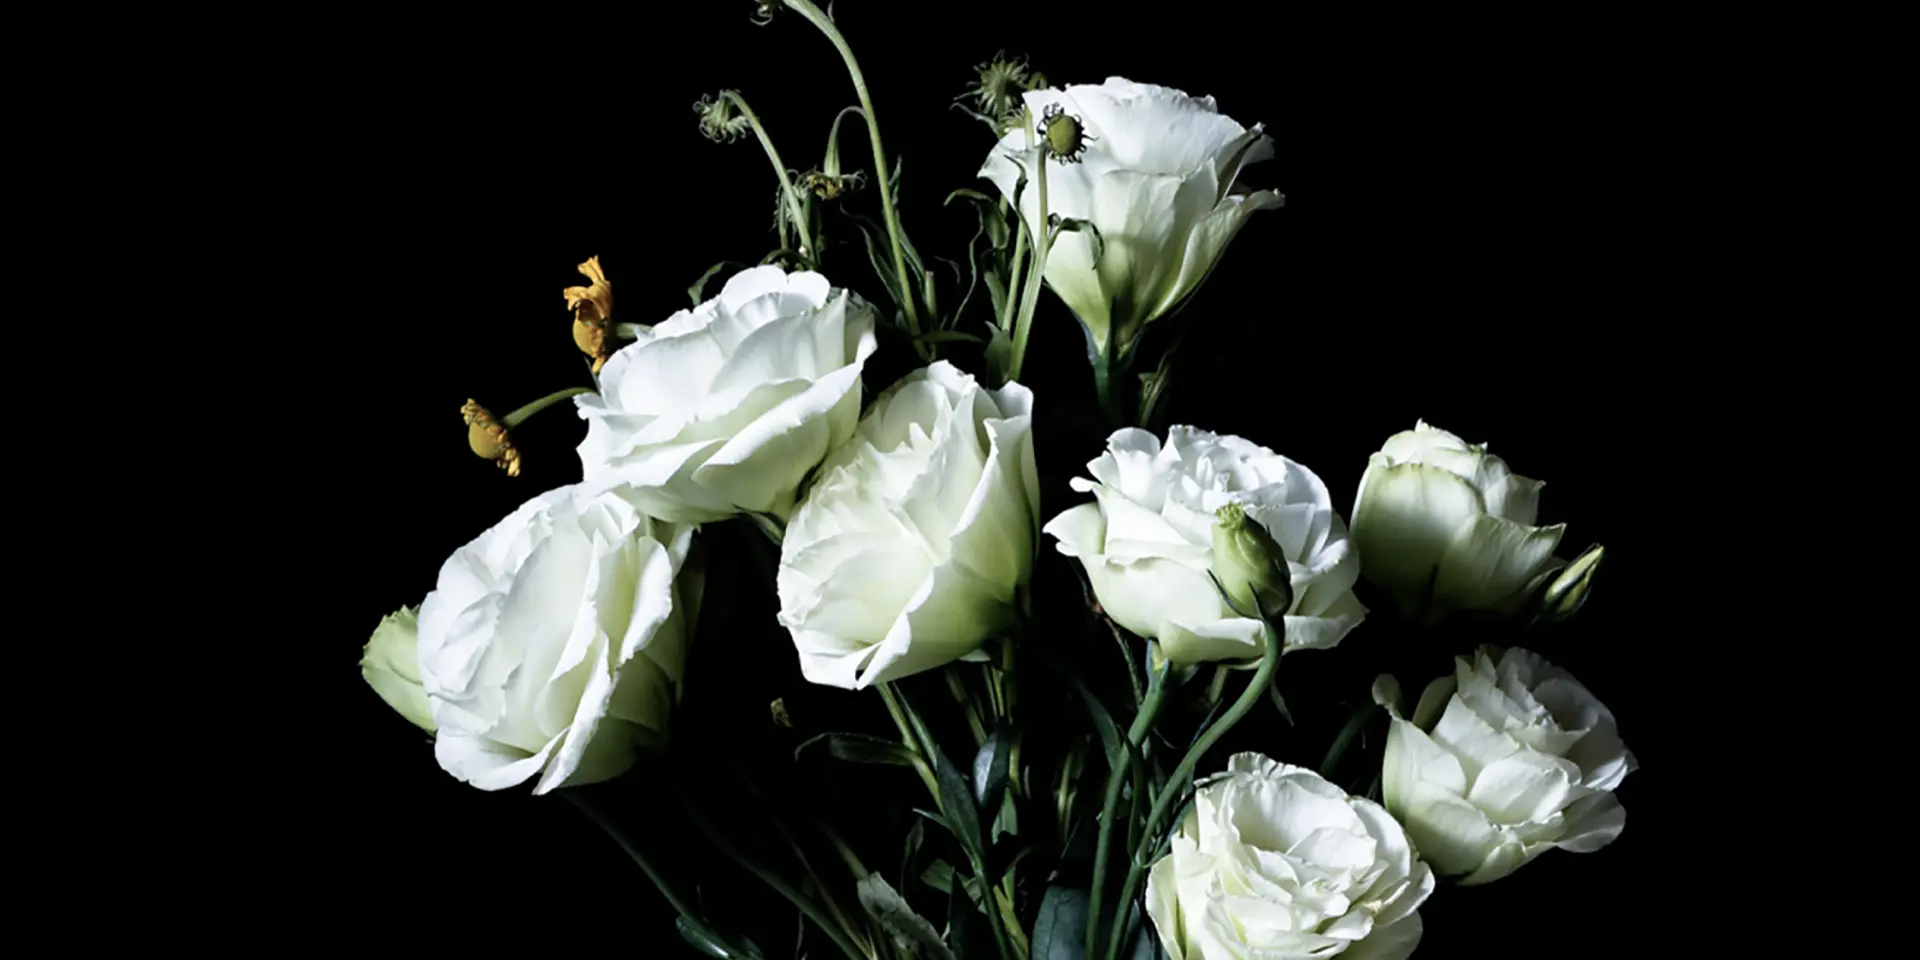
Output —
(1395, 941)
(1593, 822)
(1080, 531)
(1490, 560)
(1405, 520)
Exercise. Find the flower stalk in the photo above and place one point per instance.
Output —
(1042, 245)
(796, 211)
(1109, 810)
(882, 171)
(1182, 778)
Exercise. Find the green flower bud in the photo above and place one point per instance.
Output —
(1250, 568)
(391, 665)
(1566, 589)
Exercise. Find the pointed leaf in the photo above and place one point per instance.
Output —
(1060, 931)
(911, 931)
(700, 941)
(990, 771)
(860, 748)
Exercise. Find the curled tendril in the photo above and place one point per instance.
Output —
(720, 121)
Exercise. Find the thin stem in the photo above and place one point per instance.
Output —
(882, 172)
(964, 698)
(594, 812)
(1042, 245)
(907, 735)
(795, 210)
(520, 416)
(773, 880)
(1183, 776)
(1110, 809)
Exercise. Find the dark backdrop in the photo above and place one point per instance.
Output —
(1463, 216)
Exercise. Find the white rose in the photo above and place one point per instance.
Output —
(1433, 508)
(391, 666)
(1147, 542)
(554, 642)
(723, 409)
(907, 553)
(1156, 177)
(1501, 763)
(1275, 862)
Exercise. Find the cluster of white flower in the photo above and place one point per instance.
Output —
(553, 647)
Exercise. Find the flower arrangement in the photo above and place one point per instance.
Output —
(1062, 769)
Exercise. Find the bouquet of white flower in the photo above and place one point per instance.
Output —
(1057, 782)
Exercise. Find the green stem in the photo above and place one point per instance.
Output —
(1110, 809)
(1183, 777)
(1042, 245)
(911, 739)
(882, 171)
(520, 416)
(599, 816)
(775, 881)
(795, 210)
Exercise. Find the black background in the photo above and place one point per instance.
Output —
(1462, 242)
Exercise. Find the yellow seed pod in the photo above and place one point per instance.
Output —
(488, 438)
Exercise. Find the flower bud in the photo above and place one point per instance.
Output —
(592, 307)
(391, 665)
(489, 438)
(1565, 590)
(1248, 566)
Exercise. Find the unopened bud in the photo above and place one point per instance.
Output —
(488, 438)
(1249, 565)
(592, 307)
(1566, 589)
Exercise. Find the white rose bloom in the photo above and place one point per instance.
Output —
(1157, 178)
(907, 552)
(1274, 862)
(723, 409)
(1147, 542)
(1502, 762)
(555, 641)
(1433, 508)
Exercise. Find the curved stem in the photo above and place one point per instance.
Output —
(1042, 245)
(520, 416)
(771, 879)
(594, 812)
(1136, 735)
(881, 172)
(1183, 777)
(795, 211)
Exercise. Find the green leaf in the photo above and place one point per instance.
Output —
(860, 748)
(910, 931)
(990, 771)
(700, 941)
(956, 803)
(999, 351)
(938, 875)
(1060, 931)
(697, 291)
(965, 924)
(882, 263)
(948, 336)
(916, 836)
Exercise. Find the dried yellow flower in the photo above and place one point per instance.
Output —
(592, 307)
